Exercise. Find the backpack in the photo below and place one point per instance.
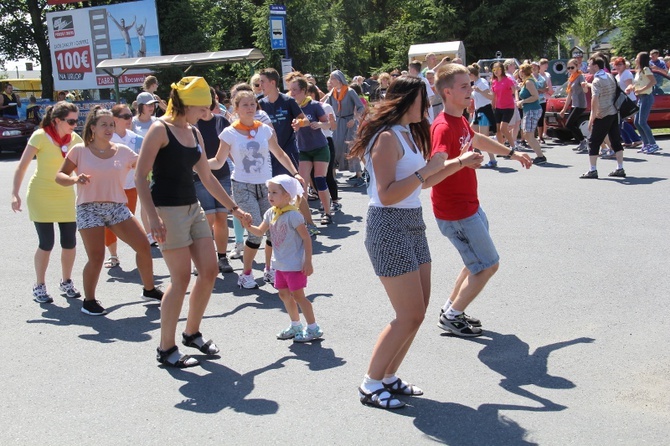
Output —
(624, 105)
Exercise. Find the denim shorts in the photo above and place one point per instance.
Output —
(208, 203)
(96, 214)
(471, 238)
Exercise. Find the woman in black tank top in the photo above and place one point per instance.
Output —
(172, 149)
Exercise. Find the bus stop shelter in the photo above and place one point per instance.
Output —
(247, 55)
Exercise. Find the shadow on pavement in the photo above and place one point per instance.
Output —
(632, 181)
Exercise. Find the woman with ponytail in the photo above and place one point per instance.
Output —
(47, 202)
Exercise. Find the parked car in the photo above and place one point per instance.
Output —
(658, 118)
(14, 134)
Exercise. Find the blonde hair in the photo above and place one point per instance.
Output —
(444, 78)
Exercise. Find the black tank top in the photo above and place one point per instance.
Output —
(11, 111)
(172, 182)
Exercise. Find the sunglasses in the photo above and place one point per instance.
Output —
(571, 68)
(257, 85)
(395, 75)
(125, 116)
(71, 122)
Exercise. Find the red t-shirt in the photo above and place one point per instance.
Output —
(455, 197)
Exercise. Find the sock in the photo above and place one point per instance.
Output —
(593, 169)
(452, 314)
(370, 385)
(389, 379)
(295, 323)
(246, 273)
(447, 305)
(620, 165)
(312, 326)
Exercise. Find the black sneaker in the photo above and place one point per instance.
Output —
(620, 173)
(590, 174)
(93, 308)
(224, 265)
(470, 320)
(155, 295)
(540, 160)
(458, 326)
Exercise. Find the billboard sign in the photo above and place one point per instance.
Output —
(80, 38)
(277, 27)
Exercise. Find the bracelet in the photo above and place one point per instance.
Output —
(460, 163)
(295, 174)
(418, 175)
(511, 153)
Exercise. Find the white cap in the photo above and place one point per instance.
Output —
(290, 185)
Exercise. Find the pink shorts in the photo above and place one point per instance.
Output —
(293, 280)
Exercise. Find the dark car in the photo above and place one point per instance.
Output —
(658, 118)
(14, 134)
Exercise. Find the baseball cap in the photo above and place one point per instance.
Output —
(146, 98)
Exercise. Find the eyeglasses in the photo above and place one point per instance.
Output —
(71, 122)
(571, 68)
(125, 116)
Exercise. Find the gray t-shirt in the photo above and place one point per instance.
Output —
(578, 96)
(604, 88)
(288, 251)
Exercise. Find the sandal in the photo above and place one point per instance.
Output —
(326, 219)
(379, 399)
(174, 358)
(399, 387)
(196, 341)
(112, 261)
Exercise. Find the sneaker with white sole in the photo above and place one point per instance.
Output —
(458, 326)
(470, 320)
(93, 308)
(237, 252)
(40, 294)
(269, 276)
(155, 295)
(247, 281)
(308, 334)
(68, 289)
(290, 332)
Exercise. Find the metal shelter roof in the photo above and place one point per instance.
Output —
(241, 55)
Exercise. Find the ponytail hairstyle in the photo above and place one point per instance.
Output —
(59, 110)
(92, 119)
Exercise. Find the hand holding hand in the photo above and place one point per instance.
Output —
(471, 159)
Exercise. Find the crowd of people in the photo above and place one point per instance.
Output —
(265, 156)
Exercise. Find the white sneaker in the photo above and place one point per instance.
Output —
(247, 281)
(237, 252)
(269, 276)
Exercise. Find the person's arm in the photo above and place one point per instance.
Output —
(652, 82)
(259, 230)
(20, 172)
(595, 108)
(470, 159)
(307, 268)
(488, 94)
(109, 14)
(221, 156)
(64, 175)
(656, 69)
(534, 95)
(283, 158)
(486, 144)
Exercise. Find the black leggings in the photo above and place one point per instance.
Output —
(330, 178)
(571, 123)
(45, 234)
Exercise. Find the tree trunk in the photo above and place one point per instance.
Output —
(40, 38)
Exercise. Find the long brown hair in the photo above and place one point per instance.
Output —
(59, 110)
(399, 98)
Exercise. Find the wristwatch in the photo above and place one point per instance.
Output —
(511, 153)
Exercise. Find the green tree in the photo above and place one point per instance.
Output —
(643, 26)
(592, 17)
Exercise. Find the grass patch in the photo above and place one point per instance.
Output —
(663, 131)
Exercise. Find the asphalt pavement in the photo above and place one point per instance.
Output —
(575, 349)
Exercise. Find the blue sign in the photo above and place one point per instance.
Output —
(277, 32)
(277, 27)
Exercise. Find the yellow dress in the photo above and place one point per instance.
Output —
(48, 201)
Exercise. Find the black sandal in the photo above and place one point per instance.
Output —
(376, 399)
(196, 341)
(399, 387)
(174, 358)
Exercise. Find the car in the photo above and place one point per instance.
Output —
(485, 65)
(14, 134)
(658, 118)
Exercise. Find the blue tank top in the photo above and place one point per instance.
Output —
(172, 181)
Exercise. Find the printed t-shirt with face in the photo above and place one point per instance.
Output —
(250, 155)
(455, 197)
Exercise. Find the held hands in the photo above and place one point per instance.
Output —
(471, 159)
(244, 217)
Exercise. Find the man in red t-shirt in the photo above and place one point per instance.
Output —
(455, 204)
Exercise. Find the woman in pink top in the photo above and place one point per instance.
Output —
(101, 168)
(503, 88)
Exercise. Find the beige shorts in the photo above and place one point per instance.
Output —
(183, 224)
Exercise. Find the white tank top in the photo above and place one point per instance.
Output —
(409, 163)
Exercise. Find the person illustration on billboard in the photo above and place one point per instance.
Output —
(140, 29)
(124, 33)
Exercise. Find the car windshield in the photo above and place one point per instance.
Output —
(561, 92)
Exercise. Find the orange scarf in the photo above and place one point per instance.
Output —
(237, 125)
(340, 96)
(573, 76)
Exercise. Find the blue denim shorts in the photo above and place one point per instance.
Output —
(471, 238)
(208, 203)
